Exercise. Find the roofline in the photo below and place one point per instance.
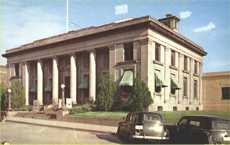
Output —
(103, 28)
(217, 74)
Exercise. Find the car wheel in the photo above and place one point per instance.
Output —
(212, 140)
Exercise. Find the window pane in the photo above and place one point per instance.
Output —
(226, 93)
(172, 58)
(157, 52)
(128, 48)
(185, 87)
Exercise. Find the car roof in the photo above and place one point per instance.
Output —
(213, 117)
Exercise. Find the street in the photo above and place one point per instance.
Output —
(31, 134)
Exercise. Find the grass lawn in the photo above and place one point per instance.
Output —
(170, 117)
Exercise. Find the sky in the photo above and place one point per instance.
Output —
(206, 22)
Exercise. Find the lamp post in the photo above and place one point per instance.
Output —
(9, 98)
(63, 94)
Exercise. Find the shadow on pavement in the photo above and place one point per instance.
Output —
(111, 137)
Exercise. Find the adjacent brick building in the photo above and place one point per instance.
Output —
(153, 50)
(216, 91)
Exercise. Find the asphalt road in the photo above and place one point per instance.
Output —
(31, 134)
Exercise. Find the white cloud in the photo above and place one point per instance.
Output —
(205, 28)
(185, 14)
(121, 9)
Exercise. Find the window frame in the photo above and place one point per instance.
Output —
(157, 52)
(224, 97)
(128, 51)
(173, 58)
(185, 87)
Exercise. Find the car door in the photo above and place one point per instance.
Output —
(182, 131)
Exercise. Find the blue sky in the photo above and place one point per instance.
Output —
(206, 22)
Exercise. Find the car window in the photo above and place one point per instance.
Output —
(183, 122)
(150, 117)
(221, 125)
(194, 123)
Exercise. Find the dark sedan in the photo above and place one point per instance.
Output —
(143, 126)
(201, 130)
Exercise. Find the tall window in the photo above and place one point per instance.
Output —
(173, 57)
(195, 89)
(128, 48)
(16, 68)
(185, 87)
(157, 52)
(185, 63)
(226, 93)
(195, 67)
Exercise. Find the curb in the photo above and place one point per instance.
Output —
(63, 125)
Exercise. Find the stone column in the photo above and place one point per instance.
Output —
(92, 76)
(73, 79)
(39, 82)
(26, 73)
(55, 81)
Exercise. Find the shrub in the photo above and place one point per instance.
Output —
(3, 97)
(106, 89)
(138, 97)
(82, 108)
(18, 95)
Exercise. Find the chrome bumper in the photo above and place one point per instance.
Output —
(150, 137)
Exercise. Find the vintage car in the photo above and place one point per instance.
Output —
(200, 130)
(143, 126)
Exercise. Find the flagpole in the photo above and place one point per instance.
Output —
(67, 16)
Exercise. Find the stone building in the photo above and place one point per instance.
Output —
(216, 91)
(153, 50)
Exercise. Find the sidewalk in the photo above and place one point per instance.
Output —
(63, 124)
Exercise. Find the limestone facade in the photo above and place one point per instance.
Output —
(169, 63)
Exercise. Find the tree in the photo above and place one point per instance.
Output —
(3, 97)
(139, 97)
(106, 89)
(18, 95)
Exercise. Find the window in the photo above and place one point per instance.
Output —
(195, 88)
(16, 67)
(159, 108)
(187, 108)
(195, 67)
(226, 93)
(185, 63)
(174, 108)
(157, 52)
(173, 86)
(128, 48)
(173, 57)
(185, 87)
(158, 82)
(127, 78)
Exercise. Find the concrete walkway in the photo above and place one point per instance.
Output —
(64, 124)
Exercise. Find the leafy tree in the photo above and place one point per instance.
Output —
(3, 97)
(18, 95)
(138, 97)
(106, 89)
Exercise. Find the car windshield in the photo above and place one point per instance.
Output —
(151, 117)
(221, 124)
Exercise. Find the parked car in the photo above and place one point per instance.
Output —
(200, 130)
(143, 126)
